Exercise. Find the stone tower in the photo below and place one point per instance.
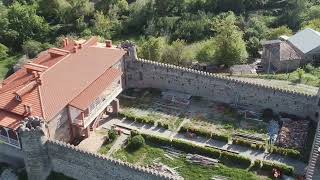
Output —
(132, 50)
(33, 139)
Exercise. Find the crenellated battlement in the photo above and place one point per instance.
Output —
(61, 151)
(225, 78)
(32, 123)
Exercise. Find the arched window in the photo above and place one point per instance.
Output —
(12, 134)
(3, 132)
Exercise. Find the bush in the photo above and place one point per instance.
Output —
(112, 134)
(235, 158)
(157, 140)
(3, 51)
(268, 166)
(136, 142)
(243, 142)
(163, 125)
(205, 133)
(220, 137)
(145, 120)
(191, 148)
(32, 48)
(285, 151)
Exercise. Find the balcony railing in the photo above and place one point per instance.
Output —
(100, 107)
(10, 141)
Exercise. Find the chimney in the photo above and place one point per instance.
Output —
(64, 43)
(80, 46)
(27, 109)
(108, 43)
(75, 49)
(67, 41)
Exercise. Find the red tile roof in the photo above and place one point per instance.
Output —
(54, 79)
(84, 99)
(10, 120)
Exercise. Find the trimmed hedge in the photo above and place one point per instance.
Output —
(235, 158)
(204, 133)
(192, 148)
(196, 149)
(285, 151)
(140, 119)
(163, 125)
(243, 142)
(268, 166)
(145, 120)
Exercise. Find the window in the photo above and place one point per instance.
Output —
(129, 76)
(18, 98)
(140, 76)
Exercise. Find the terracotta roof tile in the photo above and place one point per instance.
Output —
(10, 120)
(84, 99)
(66, 77)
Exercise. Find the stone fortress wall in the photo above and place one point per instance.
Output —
(41, 156)
(142, 73)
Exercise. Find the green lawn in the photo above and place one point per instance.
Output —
(6, 66)
(147, 154)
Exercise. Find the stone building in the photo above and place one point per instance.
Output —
(288, 54)
(69, 87)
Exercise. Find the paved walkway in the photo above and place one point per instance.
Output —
(244, 151)
(93, 142)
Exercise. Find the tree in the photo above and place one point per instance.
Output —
(152, 48)
(54, 10)
(136, 142)
(279, 31)
(26, 24)
(102, 25)
(206, 52)
(230, 47)
(313, 24)
(173, 54)
(32, 48)
(255, 32)
(3, 51)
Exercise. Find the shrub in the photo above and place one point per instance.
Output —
(136, 142)
(268, 166)
(285, 151)
(191, 148)
(145, 120)
(3, 51)
(112, 134)
(243, 142)
(205, 133)
(220, 137)
(157, 140)
(257, 164)
(235, 158)
(163, 125)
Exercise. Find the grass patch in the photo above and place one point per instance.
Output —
(149, 153)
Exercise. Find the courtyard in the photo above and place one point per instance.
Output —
(205, 124)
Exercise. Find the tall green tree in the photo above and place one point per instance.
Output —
(102, 25)
(152, 49)
(26, 24)
(230, 46)
(173, 54)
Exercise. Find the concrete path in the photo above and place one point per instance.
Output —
(117, 144)
(244, 151)
(93, 142)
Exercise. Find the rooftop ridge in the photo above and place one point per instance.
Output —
(226, 78)
(117, 162)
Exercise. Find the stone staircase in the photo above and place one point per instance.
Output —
(314, 155)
